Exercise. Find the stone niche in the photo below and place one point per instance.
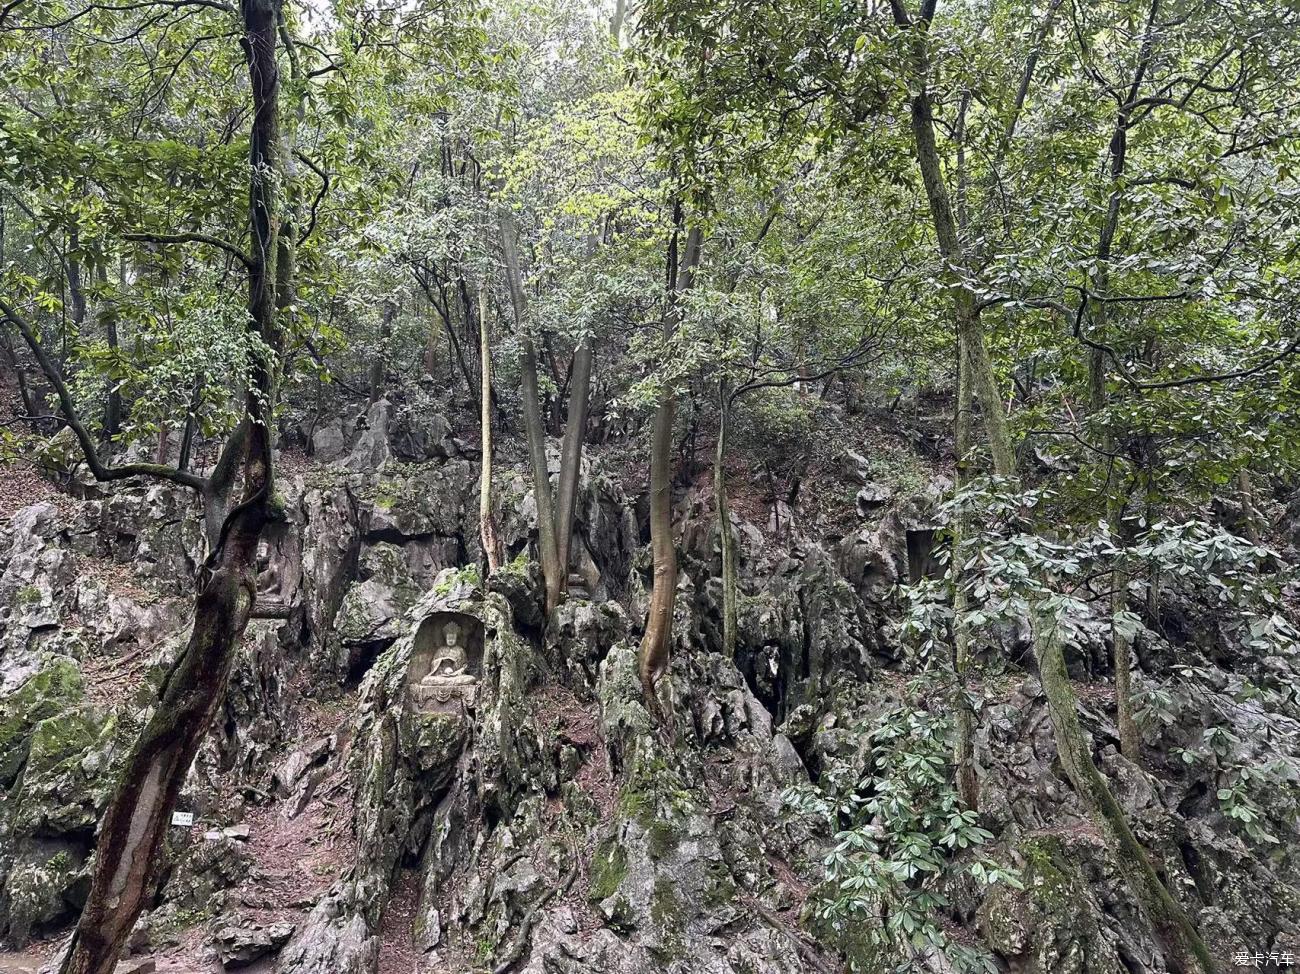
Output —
(922, 555)
(279, 570)
(446, 663)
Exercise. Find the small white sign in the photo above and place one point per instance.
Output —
(183, 818)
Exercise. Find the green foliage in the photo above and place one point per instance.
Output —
(901, 836)
(1012, 568)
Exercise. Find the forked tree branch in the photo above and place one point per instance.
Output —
(98, 469)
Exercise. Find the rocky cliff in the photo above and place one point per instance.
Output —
(379, 795)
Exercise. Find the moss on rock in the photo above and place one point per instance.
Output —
(54, 690)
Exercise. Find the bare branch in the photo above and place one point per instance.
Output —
(175, 238)
(118, 8)
(100, 472)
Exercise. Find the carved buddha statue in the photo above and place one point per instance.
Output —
(270, 583)
(448, 682)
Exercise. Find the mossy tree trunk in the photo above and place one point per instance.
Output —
(534, 424)
(726, 539)
(554, 511)
(1185, 952)
(571, 454)
(139, 811)
(1182, 944)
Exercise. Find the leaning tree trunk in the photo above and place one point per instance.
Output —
(653, 660)
(726, 540)
(488, 533)
(1185, 952)
(139, 812)
(136, 821)
(534, 427)
(1176, 932)
(571, 456)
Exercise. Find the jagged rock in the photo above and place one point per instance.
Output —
(520, 582)
(36, 574)
(329, 441)
(371, 450)
(429, 500)
(239, 942)
(331, 546)
(252, 728)
(136, 965)
(54, 754)
(371, 615)
(872, 497)
(856, 467)
(202, 875)
(1057, 923)
(546, 820)
(402, 761)
(422, 436)
(294, 768)
(581, 633)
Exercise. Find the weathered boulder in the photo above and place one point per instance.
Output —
(240, 941)
(371, 451)
(372, 613)
(54, 773)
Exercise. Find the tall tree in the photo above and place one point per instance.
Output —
(681, 266)
(488, 533)
(1181, 940)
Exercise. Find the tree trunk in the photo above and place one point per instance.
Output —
(487, 519)
(164, 444)
(970, 330)
(220, 484)
(659, 625)
(1172, 926)
(431, 349)
(571, 455)
(534, 429)
(139, 812)
(31, 405)
(76, 292)
(443, 309)
(1250, 516)
(1129, 738)
(616, 22)
(108, 312)
(191, 422)
(377, 363)
(964, 746)
(1185, 952)
(726, 540)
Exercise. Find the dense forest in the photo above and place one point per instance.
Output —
(619, 486)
